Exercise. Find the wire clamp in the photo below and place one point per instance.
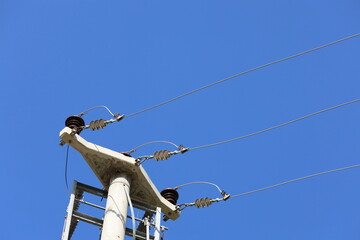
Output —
(183, 149)
(225, 195)
(118, 117)
(140, 160)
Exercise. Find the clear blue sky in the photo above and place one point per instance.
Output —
(59, 58)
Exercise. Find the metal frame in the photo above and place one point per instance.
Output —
(74, 216)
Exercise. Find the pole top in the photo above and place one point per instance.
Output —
(105, 163)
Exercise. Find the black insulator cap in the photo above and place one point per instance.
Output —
(75, 122)
(170, 194)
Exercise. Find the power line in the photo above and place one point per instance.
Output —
(295, 180)
(132, 214)
(85, 112)
(66, 168)
(94, 125)
(166, 154)
(278, 126)
(242, 73)
(206, 202)
(191, 183)
(148, 143)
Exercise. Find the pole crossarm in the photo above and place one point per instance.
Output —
(105, 163)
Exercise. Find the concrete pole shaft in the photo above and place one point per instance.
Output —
(116, 209)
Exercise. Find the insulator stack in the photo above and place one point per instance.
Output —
(75, 122)
(203, 202)
(170, 194)
(162, 155)
(98, 124)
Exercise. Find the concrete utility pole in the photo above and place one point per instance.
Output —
(117, 172)
(116, 208)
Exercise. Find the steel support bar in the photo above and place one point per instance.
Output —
(157, 224)
(139, 235)
(90, 189)
(147, 224)
(87, 218)
(92, 205)
(114, 226)
(70, 209)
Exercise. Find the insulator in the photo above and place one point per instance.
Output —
(75, 122)
(98, 124)
(203, 202)
(170, 194)
(162, 155)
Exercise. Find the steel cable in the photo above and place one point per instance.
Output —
(148, 143)
(85, 112)
(295, 180)
(132, 213)
(66, 169)
(205, 202)
(242, 73)
(165, 154)
(278, 126)
(209, 183)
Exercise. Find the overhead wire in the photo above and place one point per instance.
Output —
(165, 154)
(101, 123)
(132, 213)
(191, 183)
(277, 126)
(148, 143)
(209, 201)
(242, 73)
(295, 180)
(85, 112)
(66, 168)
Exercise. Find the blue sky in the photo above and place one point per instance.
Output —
(59, 58)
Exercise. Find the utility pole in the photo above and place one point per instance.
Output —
(121, 176)
(116, 208)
